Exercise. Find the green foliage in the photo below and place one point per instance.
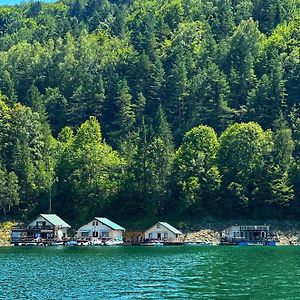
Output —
(9, 191)
(197, 176)
(88, 171)
(243, 148)
(153, 73)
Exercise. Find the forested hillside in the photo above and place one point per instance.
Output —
(150, 108)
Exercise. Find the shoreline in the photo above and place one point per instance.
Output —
(5, 233)
(209, 236)
(287, 234)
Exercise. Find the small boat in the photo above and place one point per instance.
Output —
(86, 243)
(243, 244)
(270, 243)
(113, 243)
(71, 243)
(96, 243)
(197, 243)
(153, 244)
(30, 244)
(57, 244)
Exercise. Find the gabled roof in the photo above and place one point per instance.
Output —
(110, 223)
(55, 220)
(170, 227)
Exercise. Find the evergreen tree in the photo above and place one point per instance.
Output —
(267, 13)
(124, 116)
(210, 93)
(177, 95)
(244, 49)
(9, 190)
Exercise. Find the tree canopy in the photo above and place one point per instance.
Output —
(147, 108)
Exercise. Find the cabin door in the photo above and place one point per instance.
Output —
(159, 236)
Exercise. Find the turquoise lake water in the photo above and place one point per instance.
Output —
(187, 272)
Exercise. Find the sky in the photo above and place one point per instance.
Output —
(12, 2)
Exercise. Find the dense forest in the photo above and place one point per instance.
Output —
(139, 109)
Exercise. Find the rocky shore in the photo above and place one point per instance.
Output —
(288, 238)
(205, 236)
(5, 233)
(210, 236)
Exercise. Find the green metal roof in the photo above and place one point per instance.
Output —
(170, 227)
(55, 220)
(109, 223)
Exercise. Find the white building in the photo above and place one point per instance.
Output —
(163, 231)
(48, 226)
(101, 228)
(246, 233)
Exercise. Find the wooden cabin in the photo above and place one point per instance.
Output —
(163, 231)
(45, 227)
(134, 237)
(246, 233)
(48, 226)
(102, 229)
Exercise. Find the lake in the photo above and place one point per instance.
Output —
(186, 272)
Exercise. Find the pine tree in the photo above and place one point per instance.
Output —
(176, 96)
(209, 98)
(124, 116)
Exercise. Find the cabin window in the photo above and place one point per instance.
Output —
(96, 223)
(41, 223)
(150, 236)
(85, 234)
(242, 234)
(105, 234)
(93, 223)
(263, 234)
(234, 234)
(158, 226)
(165, 235)
(95, 233)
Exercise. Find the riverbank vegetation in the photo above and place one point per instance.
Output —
(150, 109)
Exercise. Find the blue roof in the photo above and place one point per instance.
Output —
(110, 224)
(170, 227)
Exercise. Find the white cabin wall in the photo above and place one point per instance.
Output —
(100, 228)
(162, 230)
(116, 235)
(231, 230)
(61, 232)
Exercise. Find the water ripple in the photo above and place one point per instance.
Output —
(150, 273)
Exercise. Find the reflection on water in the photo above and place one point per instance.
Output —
(185, 272)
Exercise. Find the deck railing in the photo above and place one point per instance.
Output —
(254, 228)
(47, 227)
